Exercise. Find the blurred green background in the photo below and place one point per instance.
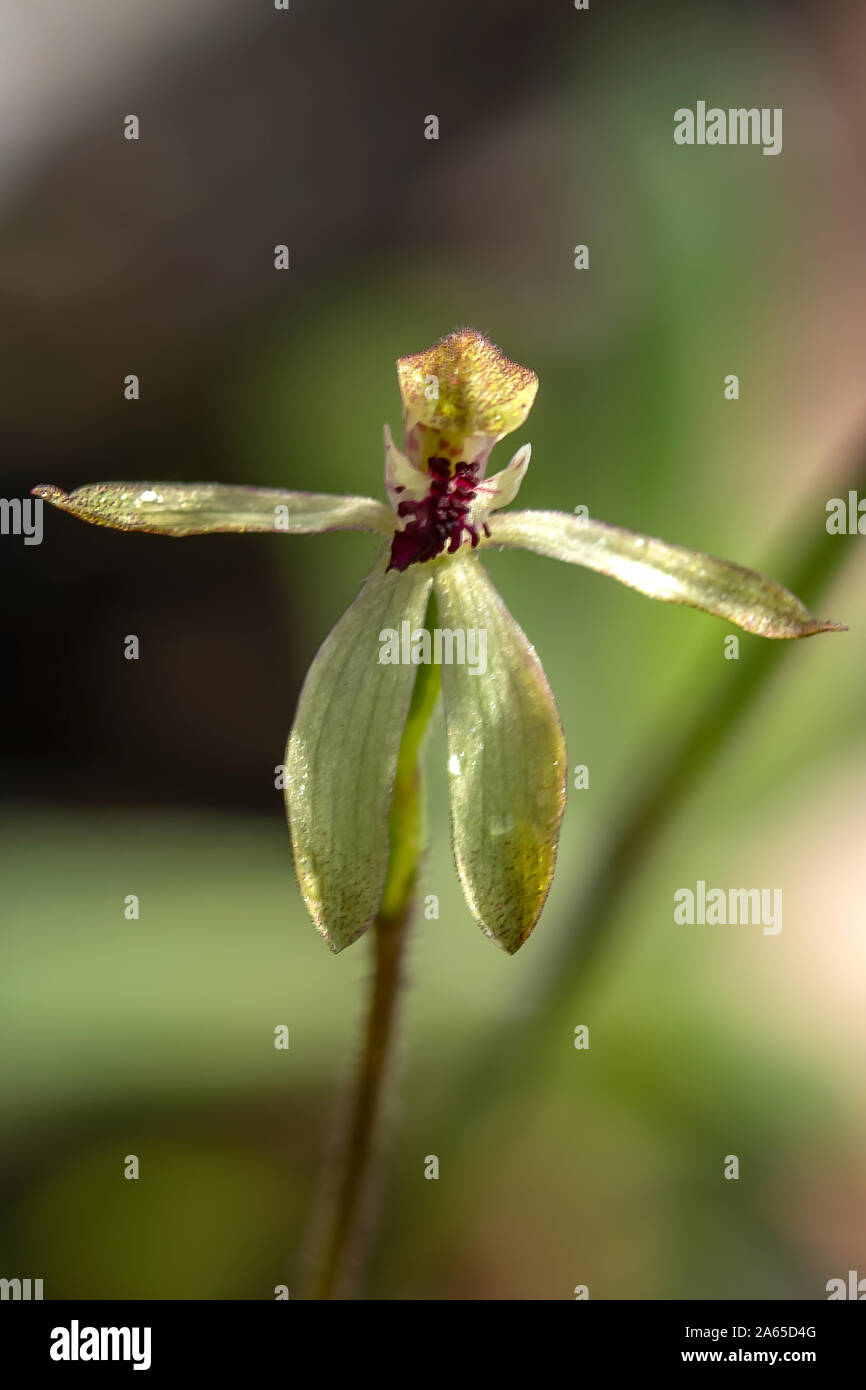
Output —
(558, 1167)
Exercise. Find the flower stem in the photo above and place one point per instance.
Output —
(339, 1259)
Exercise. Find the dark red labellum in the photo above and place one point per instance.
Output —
(439, 519)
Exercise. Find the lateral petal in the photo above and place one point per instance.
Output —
(504, 486)
(193, 509)
(671, 573)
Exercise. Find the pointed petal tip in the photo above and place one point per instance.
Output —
(512, 947)
(810, 627)
(335, 936)
(510, 941)
(338, 941)
(794, 629)
(48, 492)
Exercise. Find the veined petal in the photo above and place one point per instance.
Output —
(193, 509)
(506, 759)
(671, 573)
(341, 758)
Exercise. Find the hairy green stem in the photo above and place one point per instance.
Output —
(334, 1269)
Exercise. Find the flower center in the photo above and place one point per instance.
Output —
(440, 518)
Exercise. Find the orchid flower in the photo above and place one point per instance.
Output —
(506, 753)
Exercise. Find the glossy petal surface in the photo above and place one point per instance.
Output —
(342, 752)
(506, 760)
(671, 573)
(193, 509)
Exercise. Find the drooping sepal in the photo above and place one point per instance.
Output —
(506, 758)
(341, 758)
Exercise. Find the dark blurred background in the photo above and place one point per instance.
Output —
(156, 777)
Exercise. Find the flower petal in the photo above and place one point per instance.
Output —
(503, 487)
(506, 760)
(403, 481)
(668, 572)
(192, 509)
(341, 757)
